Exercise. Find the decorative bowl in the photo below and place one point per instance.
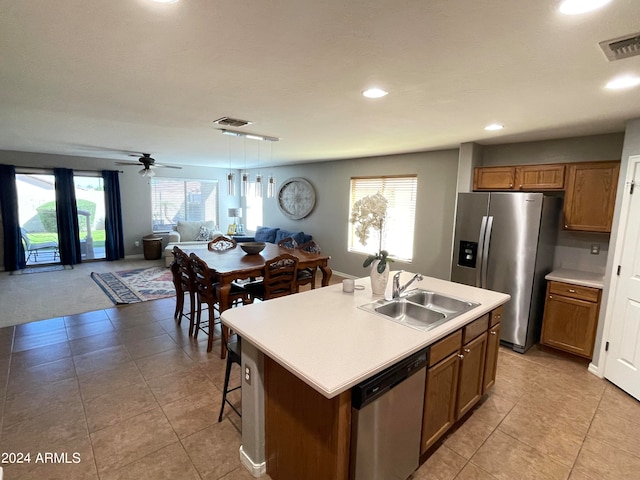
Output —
(252, 248)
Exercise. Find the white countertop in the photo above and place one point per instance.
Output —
(577, 277)
(323, 338)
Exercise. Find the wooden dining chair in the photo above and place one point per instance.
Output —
(289, 243)
(183, 281)
(222, 243)
(206, 280)
(280, 278)
(308, 275)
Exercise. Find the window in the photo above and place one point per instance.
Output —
(254, 209)
(174, 199)
(397, 232)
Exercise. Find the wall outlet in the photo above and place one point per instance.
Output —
(595, 249)
(137, 243)
(247, 375)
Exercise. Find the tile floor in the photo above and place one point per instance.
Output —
(133, 397)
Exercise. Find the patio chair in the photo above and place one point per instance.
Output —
(32, 249)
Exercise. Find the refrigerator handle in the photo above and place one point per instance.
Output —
(479, 268)
(485, 251)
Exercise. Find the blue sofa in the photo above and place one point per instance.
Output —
(274, 235)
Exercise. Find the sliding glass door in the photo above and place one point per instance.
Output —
(37, 213)
(90, 204)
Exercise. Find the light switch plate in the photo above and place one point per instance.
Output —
(595, 249)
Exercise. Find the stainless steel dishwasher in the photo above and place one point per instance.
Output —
(387, 421)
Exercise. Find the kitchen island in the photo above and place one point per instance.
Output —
(303, 353)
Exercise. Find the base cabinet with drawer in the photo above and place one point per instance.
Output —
(462, 367)
(570, 318)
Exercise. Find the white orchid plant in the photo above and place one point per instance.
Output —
(368, 213)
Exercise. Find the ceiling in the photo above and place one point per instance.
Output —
(103, 79)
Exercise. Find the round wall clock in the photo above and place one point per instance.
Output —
(296, 198)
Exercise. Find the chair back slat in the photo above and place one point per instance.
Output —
(222, 243)
(280, 274)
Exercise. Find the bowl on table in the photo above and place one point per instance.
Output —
(252, 248)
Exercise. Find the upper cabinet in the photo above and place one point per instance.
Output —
(590, 188)
(494, 178)
(590, 196)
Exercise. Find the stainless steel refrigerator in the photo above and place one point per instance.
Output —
(505, 242)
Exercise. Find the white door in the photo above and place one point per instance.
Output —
(623, 361)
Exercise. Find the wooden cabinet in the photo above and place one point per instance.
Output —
(494, 178)
(455, 379)
(493, 344)
(540, 177)
(570, 318)
(590, 196)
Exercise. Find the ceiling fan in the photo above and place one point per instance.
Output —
(147, 161)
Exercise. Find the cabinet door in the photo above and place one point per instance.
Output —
(439, 400)
(569, 324)
(471, 374)
(494, 178)
(590, 196)
(491, 360)
(540, 177)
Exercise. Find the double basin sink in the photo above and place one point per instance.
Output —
(420, 309)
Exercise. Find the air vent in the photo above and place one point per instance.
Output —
(621, 47)
(231, 122)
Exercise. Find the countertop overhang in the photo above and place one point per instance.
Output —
(577, 277)
(323, 338)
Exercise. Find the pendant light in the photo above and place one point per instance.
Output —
(244, 176)
(231, 177)
(258, 185)
(271, 183)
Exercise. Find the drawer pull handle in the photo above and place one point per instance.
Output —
(492, 332)
(461, 357)
(466, 350)
(498, 316)
(550, 296)
(571, 290)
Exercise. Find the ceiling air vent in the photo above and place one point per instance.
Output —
(621, 47)
(231, 122)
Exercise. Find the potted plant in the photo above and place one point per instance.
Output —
(369, 213)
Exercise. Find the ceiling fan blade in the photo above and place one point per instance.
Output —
(167, 166)
(128, 163)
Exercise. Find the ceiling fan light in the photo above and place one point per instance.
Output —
(147, 172)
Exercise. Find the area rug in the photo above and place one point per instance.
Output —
(137, 285)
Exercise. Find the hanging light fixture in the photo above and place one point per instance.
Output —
(147, 172)
(271, 183)
(244, 176)
(258, 185)
(231, 177)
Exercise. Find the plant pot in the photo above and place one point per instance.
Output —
(379, 280)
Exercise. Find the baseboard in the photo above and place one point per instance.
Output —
(593, 368)
(255, 469)
(137, 256)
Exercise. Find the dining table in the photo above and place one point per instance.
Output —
(234, 264)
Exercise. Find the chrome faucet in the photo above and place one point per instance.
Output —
(397, 289)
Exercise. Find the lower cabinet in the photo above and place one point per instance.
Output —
(462, 367)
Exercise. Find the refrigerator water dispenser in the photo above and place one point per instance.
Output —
(467, 254)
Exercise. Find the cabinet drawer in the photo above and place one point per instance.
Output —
(475, 328)
(445, 347)
(495, 316)
(574, 291)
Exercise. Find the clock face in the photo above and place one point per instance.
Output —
(296, 198)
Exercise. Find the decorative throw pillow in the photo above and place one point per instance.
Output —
(190, 230)
(206, 234)
(266, 234)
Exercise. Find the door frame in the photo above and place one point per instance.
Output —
(606, 311)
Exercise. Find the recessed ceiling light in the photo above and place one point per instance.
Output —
(375, 93)
(628, 81)
(165, 1)
(493, 127)
(576, 7)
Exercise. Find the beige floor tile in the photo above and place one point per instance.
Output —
(494, 408)
(621, 403)
(545, 431)
(41, 400)
(164, 363)
(469, 437)
(85, 318)
(241, 473)
(195, 412)
(81, 330)
(601, 461)
(473, 472)
(443, 464)
(38, 340)
(131, 440)
(118, 405)
(43, 326)
(140, 332)
(557, 360)
(95, 384)
(618, 431)
(38, 356)
(128, 319)
(168, 463)
(101, 360)
(214, 450)
(74, 461)
(576, 475)
(80, 346)
(506, 458)
(150, 346)
(21, 380)
(46, 432)
(176, 385)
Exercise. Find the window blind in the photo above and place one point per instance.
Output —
(173, 200)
